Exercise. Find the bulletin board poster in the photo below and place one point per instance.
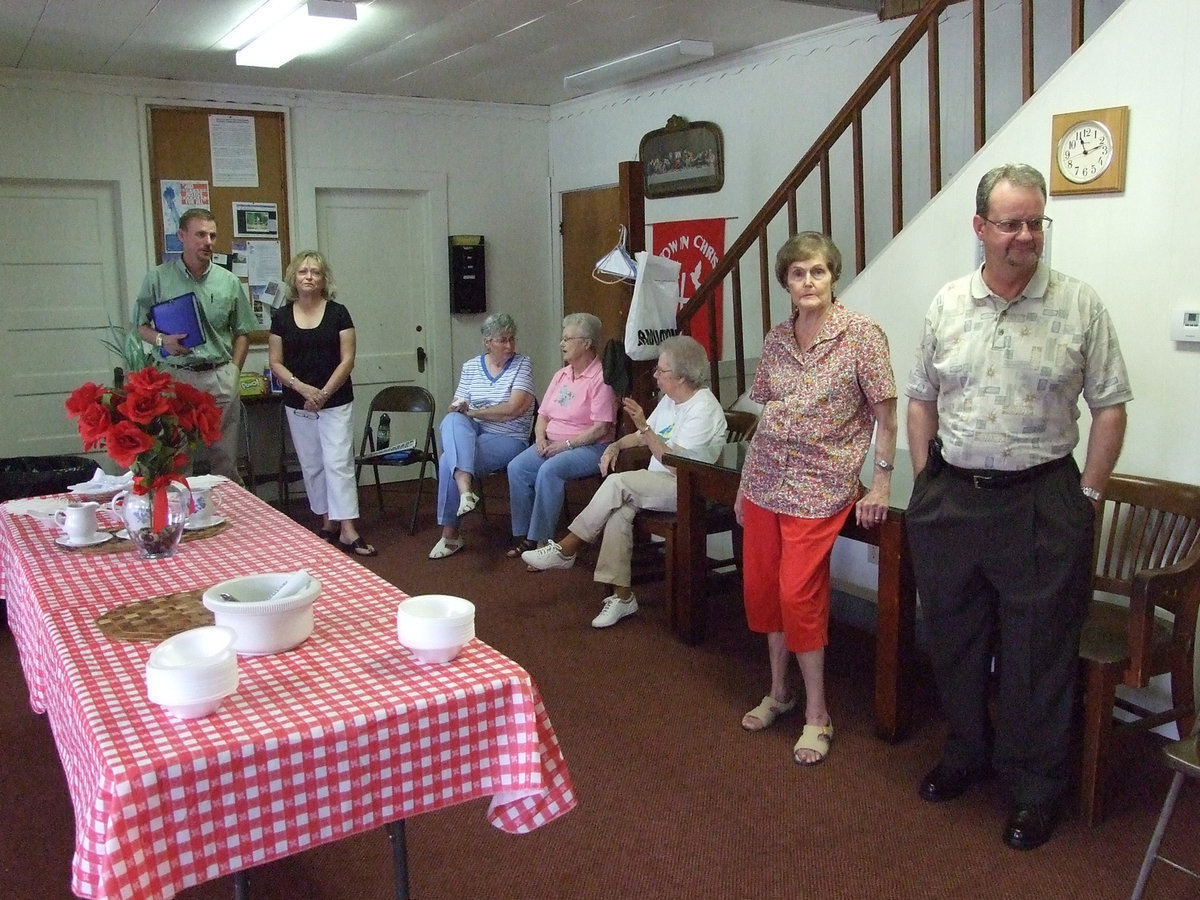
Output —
(261, 264)
(178, 196)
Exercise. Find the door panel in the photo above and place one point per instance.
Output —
(59, 289)
(590, 227)
(374, 242)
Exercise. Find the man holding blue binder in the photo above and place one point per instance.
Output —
(211, 357)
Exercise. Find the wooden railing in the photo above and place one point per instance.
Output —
(925, 25)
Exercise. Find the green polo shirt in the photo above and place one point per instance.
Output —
(225, 311)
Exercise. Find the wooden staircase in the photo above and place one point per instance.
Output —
(750, 257)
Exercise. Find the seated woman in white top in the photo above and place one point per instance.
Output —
(687, 417)
(487, 425)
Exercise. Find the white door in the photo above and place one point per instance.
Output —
(376, 242)
(59, 289)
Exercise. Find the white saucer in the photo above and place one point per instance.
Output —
(214, 521)
(122, 535)
(98, 538)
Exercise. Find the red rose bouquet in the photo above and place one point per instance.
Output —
(150, 425)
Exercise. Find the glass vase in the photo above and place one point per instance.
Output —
(154, 519)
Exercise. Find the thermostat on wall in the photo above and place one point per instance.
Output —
(1185, 324)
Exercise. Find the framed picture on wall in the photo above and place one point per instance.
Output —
(683, 158)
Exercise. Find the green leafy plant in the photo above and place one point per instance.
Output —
(128, 345)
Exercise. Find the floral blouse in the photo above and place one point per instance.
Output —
(817, 421)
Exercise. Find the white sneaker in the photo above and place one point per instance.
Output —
(548, 557)
(615, 609)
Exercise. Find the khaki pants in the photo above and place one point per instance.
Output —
(222, 383)
(611, 512)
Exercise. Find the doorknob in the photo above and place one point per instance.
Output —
(421, 357)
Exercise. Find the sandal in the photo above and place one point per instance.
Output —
(444, 548)
(520, 547)
(767, 711)
(358, 547)
(332, 535)
(816, 738)
(467, 503)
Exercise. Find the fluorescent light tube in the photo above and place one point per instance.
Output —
(639, 65)
(313, 26)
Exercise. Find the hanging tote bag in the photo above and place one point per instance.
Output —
(655, 305)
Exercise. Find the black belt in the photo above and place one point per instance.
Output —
(200, 367)
(993, 479)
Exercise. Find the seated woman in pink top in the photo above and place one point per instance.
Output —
(576, 421)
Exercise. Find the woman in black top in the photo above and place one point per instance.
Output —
(311, 351)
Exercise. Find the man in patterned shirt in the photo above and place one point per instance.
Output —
(1001, 520)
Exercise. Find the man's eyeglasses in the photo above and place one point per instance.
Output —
(574, 337)
(1013, 226)
(305, 414)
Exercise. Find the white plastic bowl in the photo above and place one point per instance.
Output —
(191, 673)
(262, 625)
(435, 627)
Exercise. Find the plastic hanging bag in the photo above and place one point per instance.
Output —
(654, 309)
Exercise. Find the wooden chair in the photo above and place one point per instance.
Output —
(740, 426)
(396, 401)
(1147, 551)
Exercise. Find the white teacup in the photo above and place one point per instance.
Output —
(78, 522)
(204, 506)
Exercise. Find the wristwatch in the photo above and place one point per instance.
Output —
(1090, 492)
(884, 465)
(158, 339)
(645, 428)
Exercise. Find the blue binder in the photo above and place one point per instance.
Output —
(179, 315)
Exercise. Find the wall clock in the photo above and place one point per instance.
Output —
(1088, 149)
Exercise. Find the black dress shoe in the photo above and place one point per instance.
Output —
(946, 782)
(1030, 825)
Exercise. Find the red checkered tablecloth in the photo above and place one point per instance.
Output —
(345, 733)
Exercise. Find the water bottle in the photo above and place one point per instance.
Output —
(384, 434)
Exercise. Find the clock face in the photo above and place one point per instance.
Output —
(1085, 151)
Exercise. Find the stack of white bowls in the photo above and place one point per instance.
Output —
(192, 673)
(270, 613)
(435, 627)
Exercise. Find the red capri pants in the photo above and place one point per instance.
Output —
(785, 563)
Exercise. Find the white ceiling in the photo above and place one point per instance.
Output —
(505, 51)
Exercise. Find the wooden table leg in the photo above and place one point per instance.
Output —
(688, 607)
(894, 635)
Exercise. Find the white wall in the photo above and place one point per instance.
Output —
(492, 159)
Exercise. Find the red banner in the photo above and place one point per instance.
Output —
(696, 245)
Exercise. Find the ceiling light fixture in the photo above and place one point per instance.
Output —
(311, 27)
(639, 65)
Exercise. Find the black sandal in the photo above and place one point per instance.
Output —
(520, 547)
(358, 547)
(334, 536)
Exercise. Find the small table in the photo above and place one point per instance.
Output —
(701, 480)
(345, 733)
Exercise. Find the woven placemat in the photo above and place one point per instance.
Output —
(155, 619)
(122, 545)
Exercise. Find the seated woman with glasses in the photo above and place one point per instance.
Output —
(687, 417)
(311, 351)
(575, 422)
(487, 425)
